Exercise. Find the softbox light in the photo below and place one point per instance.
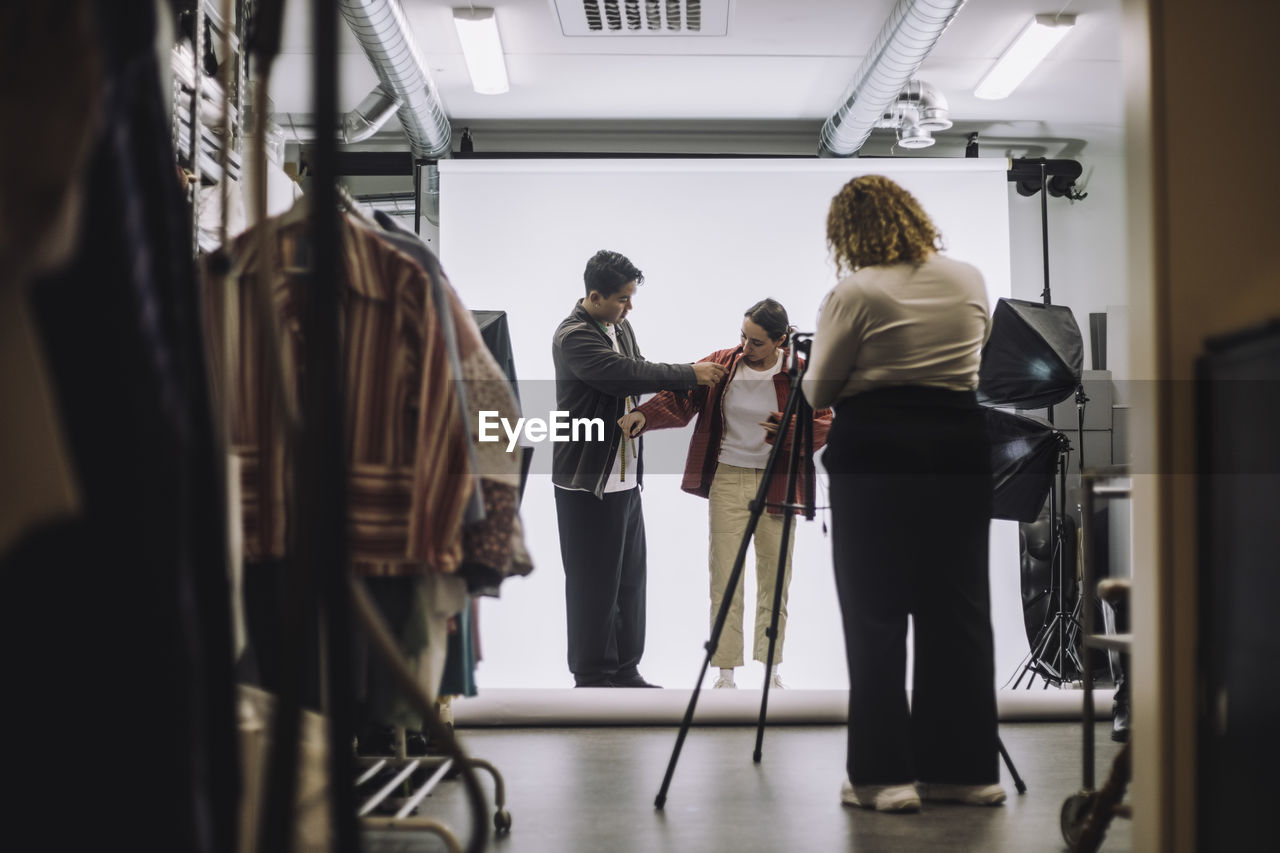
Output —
(1024, 456)
(1033, 357)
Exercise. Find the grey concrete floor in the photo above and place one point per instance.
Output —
(583, 790)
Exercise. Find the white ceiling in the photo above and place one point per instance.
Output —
(782, 62)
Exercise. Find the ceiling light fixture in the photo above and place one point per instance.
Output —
(482, 49)
(1030, 47)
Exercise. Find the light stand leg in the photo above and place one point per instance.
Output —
(1059, 568)
(1035, 662)
(1054, 627)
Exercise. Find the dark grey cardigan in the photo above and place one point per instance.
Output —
(593, 381)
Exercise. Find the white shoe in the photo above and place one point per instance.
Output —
(882, 798)
(724, 682)
(776, 682)
(970, 795)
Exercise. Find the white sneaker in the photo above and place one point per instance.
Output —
(970, 795)
(882, 798)
(776, 682)
(724, 682)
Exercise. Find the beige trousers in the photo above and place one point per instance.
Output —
(732, 491)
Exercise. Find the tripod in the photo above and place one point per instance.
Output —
(1063, 625)
(1059, 623)
(797, 411)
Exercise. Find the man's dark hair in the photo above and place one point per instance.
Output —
(608, 272)
(769, 315)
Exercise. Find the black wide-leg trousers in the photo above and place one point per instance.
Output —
(911, 506)
(602, 546)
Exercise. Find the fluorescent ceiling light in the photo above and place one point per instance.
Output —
(481, 47)
(1030, 47)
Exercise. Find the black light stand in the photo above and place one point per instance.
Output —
(1063, 624)
(796, 410)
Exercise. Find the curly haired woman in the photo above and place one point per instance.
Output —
(897, 352)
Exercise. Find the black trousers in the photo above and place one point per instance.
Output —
(911, 506)
(603, 548)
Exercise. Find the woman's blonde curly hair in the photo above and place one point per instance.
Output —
(873, 221)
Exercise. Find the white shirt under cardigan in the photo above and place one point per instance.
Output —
(748, 400)
(616, 483)
(899, 325)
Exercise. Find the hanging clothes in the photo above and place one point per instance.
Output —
(462, 655)
(494, 547)
(420, 612)
(408, 484)
(444, 317)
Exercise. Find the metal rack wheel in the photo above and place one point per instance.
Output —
(502, 821)
(1074, 811)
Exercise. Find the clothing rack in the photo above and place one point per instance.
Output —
(372, 624)
(318, 574)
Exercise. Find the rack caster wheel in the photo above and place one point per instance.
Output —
(502, 821)
(1074, 811)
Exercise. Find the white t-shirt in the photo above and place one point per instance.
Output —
(748, 400)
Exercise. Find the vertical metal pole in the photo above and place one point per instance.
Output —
(275, 832)
(321, 476)
(1063, 654)
(1056, 505)
(1044, 230)
(1086, 580)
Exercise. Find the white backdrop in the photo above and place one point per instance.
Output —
(712, 236)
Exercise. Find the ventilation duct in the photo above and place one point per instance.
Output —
(383, 31)
(429, 193)
(356, 126)
(916, 113)
(907, 37)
